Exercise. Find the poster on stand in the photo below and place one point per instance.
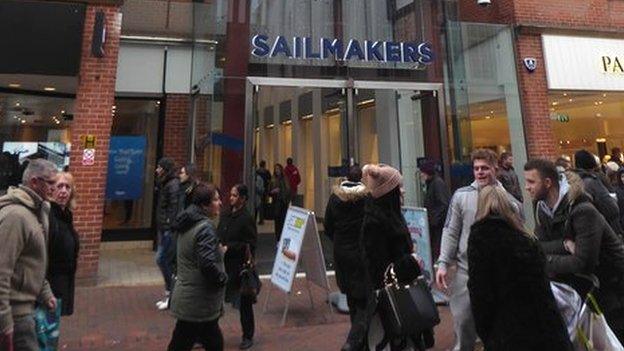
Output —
(418, 226)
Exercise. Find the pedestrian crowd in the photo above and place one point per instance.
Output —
(497, 273)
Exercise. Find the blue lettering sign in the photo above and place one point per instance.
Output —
(280, 46)
(393, 52)
(333, 47)
(305, 48)
(260, 46)
(126, 168)
(426, 53)
(353, 49)
(372, 50)
(308, 51)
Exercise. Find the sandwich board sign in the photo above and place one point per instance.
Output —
(299, 243)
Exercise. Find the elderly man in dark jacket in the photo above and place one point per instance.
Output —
(343, 220)
(166, 210)
(437, 198)
(577, 239)
(596, 188)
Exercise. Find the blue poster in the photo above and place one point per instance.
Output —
(418, 226)
(126, 168)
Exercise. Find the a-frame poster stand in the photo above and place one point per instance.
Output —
(299, 242)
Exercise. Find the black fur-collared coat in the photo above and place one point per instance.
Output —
(512, 302)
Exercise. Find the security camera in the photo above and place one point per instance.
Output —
(484, 3)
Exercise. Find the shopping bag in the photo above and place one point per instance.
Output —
(569, 303)
(593, 332)
(47, 324)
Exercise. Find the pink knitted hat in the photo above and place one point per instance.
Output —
(381, 179)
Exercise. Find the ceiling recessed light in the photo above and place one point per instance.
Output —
(62, 111)
(570, 100)
(49, 88)
(23, 121)
(17, 104)
(15, 117)
(604, 95)
(58, 122)
(14, 85)
(555, 103)
(488, 117)
(565, 94)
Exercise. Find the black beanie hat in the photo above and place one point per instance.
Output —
(166, 164)
(584, 159)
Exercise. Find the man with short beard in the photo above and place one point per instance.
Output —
(576, 238)
(454, 247)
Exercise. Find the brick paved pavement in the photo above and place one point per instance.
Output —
(125, 318)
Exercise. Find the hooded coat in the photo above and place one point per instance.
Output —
(602, 200)
(199, 291)
(343, 220)
(23, 254)
(599, 250)
(512, 303)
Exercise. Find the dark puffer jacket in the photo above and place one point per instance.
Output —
(168, 201)
(598, 250)
(199, 291)
(511, 299)
(343, 220)
(602, 200)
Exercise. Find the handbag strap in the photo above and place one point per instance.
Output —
(248, 256)
(389, 276)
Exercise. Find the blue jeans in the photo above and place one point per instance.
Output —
(164, 246)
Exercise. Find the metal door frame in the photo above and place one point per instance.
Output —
(349, 84)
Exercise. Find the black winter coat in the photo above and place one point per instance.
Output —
(236, 230)
(63, 247)
(343, 221)
(386, 239)
(436, 201)
(599, 250)
(512, 303)
(602, 200)
(167, 207)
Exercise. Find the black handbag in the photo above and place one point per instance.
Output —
(406, 310)
(250, 283)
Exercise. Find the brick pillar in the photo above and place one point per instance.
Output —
(540, 138)
(95, 96)
(176, 137)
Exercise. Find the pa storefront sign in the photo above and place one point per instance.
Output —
(583, 63)
(335, 49)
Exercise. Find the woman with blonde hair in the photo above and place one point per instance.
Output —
(512, 302)
(63, 243)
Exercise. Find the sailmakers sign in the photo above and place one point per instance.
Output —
(306, 48)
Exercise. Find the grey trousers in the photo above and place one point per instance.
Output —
(24, 334)
(463, 323)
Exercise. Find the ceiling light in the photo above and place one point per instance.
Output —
(62, 111)
(49, 88)
(58, 122)
(491, 111)
(598, 114)
(552, 109)
(570, 100)
(604, 95)
(601, 140)
(15, 117)
(555, 103)
(488, 117)
(14, 85)
(599, 102)
(565, 94)
(567, 141)
(17, 104)
(23, 121)
(596, 103)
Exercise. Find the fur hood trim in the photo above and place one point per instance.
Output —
(350, 191)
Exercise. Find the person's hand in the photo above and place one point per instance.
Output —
(51, 303)
(441, 278)
(570, 246)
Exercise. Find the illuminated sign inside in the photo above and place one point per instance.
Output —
(371, 51)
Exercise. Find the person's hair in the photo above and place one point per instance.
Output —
(191, 171)
(616, 150)
(243, 191)
(563, 162)
(494, 201)
(278, 165)
(289, 161)
(355, 174)
(38, 168)
(203, 194)
(486, 155)
(72, 185)
(262, 163)
(545, 168)
(505, 155)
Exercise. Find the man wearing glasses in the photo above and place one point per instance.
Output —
(23, 255)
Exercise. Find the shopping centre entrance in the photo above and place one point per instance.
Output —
(327, 125)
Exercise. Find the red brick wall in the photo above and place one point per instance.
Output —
(541, 141)
(500, 11)
(587, 14)
(94, 100)
(176, 137)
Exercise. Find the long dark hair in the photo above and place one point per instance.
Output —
(387, 210)
(191, 170)
(203, 194)
(243, 191)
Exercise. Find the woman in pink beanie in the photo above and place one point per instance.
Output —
(385, 237)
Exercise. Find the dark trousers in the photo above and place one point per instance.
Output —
(163, 253)
(186, 334)
(360, 315)
(247, 316)
(280, 216)
(24, 334)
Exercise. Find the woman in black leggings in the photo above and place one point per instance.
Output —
(237, 231)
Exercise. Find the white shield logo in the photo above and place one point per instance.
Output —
(530, 63)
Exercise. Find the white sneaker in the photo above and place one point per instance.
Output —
(163, 305)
